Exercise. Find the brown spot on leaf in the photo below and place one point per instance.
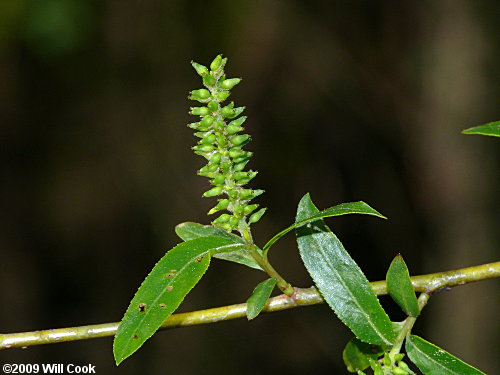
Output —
(171, 273)
(162, 305)
(135, 336)
(169, 288)
(199, 260)
(142, 307)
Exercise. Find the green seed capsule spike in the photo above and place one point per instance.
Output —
(213, 192)
(216, 63)
(228, 84)
(200, 69)
(255, 217)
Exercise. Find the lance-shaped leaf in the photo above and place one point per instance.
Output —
(491, 128)
(400, 288)
(356, 354)
(163, 290)
(339, 279)
(432, 360)
(189, 231)
(259, 297)
(341, 209)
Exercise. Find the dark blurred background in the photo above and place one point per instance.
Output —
(347, 100)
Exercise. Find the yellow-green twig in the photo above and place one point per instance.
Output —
(302, 297)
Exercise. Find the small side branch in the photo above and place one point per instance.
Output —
(301, 297)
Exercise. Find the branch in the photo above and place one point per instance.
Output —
(302, 297)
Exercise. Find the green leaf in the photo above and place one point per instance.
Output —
(341, 209)
(357, 352)
(491, 128)
(189, 231)
(432, 360)
(163, 290)
(400, 288)
(339, 279)
(259, 298)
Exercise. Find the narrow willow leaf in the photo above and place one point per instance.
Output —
(491, 128)
(339, 279)
(357, 352)
(189, 231)
(163, 290)
(259, 297)
(341, 209)
(400, 288)
(432, 360)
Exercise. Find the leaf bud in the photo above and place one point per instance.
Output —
(214, 192)
(250, 208)
(240, 139)
(255, 217)
(199, 111)
(208, 139)
(201, 94)
(216, 63)
(223, 95)
(200, 69)
(228, 84)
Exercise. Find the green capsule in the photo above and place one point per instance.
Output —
(223, 95)
(212, 167)
(209, 80)
(204, 148)
(238, 111)
(255, 217)
(233, 129)
(218, 180)
(219, 126)
(246, 194)
(240, 139)
(207, 121)
(222, 141)
(224, 166)
(227, 112)
(236, 153)
(234, 221)
(240, 166)
(213, 106)
(228, 84)
(216, 63)
(208, 139)
(200, 69)
(199, 111)
(249, 177)
(224, 218)
(399, 371)
(214, 192)
(250, 208)
(239, 175)
(232, 193)
(398, 357)
(201, 94)
(241, 159)
(238, 209)
(216, 158)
